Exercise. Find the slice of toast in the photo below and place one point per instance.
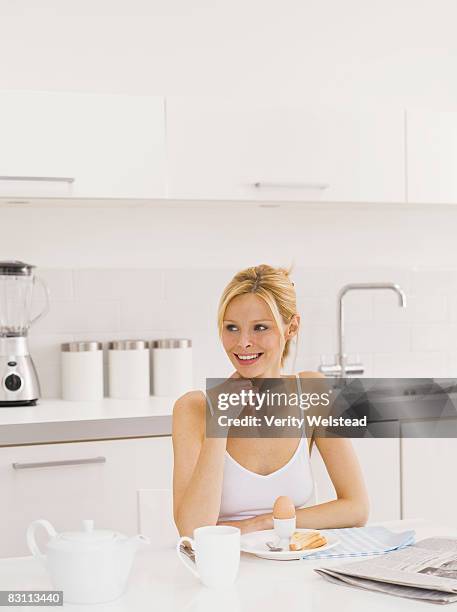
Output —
(306, 540)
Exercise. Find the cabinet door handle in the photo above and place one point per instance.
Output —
(279, 185)
(43, 179)
(40, 464)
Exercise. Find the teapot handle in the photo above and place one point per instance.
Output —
(31, 537)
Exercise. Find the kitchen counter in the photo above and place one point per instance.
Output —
(55, 420)
(159, 581)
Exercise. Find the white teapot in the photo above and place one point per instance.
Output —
(90, 566)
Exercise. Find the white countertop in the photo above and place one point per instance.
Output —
(48, 410)
(55, 420)
(159, 581)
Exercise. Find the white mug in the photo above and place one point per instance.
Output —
(217, 554)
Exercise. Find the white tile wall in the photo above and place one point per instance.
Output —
(105, 304)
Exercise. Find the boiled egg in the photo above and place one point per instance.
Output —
(283, 508)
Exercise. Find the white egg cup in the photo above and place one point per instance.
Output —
(284, 528)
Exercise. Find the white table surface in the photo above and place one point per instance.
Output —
(159, 582)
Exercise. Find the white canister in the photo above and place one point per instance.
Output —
(171, 367)
(128, 367)
(82, 371)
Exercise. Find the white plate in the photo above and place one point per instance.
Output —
(255, 543)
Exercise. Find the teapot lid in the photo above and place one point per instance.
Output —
(88, 536)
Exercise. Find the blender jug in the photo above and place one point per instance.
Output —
(18, 379)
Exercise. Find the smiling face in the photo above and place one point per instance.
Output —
(251, 337)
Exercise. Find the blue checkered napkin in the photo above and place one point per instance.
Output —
(363, 541)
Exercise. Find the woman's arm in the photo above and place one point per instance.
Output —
(351, 507)
(198, 466)
(199, 461)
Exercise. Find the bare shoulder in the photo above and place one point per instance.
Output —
(189, 412)
(307, 374)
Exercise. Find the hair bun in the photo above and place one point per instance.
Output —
(286, 272)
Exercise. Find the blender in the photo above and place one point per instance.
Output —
(19, 384)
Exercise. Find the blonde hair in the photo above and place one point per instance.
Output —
(273, 285)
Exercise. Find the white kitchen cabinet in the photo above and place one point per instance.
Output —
(66, 494)
(67, 145)
(428, 471)
(379, 459)
(245, 150)
(432, 157)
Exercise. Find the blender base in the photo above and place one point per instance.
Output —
(18, 403)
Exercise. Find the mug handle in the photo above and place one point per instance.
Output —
(31, 537)
(183, 558)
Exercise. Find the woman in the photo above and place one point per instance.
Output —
(234, 481)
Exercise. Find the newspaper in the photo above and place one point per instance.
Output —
(426, 571)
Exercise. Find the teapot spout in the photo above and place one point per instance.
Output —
(138, 541)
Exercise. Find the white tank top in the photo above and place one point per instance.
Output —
(246, 494)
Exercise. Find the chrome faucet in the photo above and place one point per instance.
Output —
(342, 368)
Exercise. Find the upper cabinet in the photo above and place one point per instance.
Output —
(81, 145)
(71, 145)
(432, 157)
(248, 151)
